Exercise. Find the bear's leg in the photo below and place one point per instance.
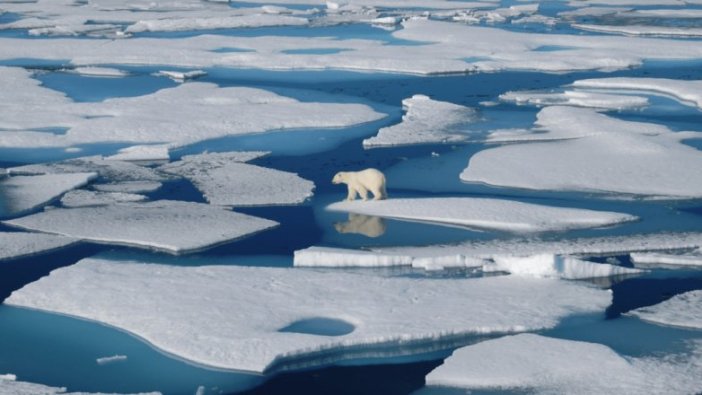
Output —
(379, 193)
(363, 192)
(352, 194)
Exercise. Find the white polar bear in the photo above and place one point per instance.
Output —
(360, 182)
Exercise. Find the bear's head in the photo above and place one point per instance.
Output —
(338, 178)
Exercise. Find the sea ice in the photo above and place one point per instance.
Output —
(111, 170)
(683, 310)
(15, 245)
(426, 121)
(389, 316)
(20, 194)
(142, 153)
(129, 187)
(642, 30)
(596, 153)
(494, 214)
(225, 181)
(83, 198)
(576, 98)
(543, 365)
(687, 92)
(112, 359)
(10, 386)
(676, 261)
(549, 265)
(98, 71)
(182, 76)
(171, 226)
(215, 22)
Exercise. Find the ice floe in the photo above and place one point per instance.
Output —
(142, 153)
(683, 310)
(426, 121)
(544, 365)
(596, 153)
(494, 214)
(129, 187)
(687, 92)
(390, 316)
(20, 194)
(215, 22)
(112, 359)
(549, 265)
(642, 30)
(111, 170)
(171, 226)
(9, 385)
(576, 98)
(99, 71)
(176, 116)
(225, 180)
(182, 76)
(83, 198)
(15, 245)
(690, 259)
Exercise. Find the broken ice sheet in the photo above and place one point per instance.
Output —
(683, 260)
(401, 316)
(15, 245)
(83, 198)
(10, 385)
(21, 194)
(171, 226)
(686, 92)
(576, 98)
(683, 310)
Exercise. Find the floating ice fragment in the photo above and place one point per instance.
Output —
(112, 359)
(9, 385)
(675, 261)
(494, 214)
(642, 30)
(15, 245)
(549, 265)
(171, 226)
(129, 187)
(576, 98)
(21, 194)
(687, 92)
(99, 71)
(596, 153)
(83, 198)
(182, 76)
(142, 153)
(225, 181)
(683, 310)
(215, 22)
(426, 121)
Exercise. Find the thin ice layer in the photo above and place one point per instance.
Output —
(15, 245)
(683, 310)
(426, 121)
(592, 152)
(224, 180)
(494, 214)
(687, 92)
(386, 316)
(171, 226)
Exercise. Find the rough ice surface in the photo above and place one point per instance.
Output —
(386, 312)
(596, 153)
(426, 121)
(112, 170)
(225, 181)
(576, 98)
(683, 310)
(494, 214)
(15, 245)
(187, 114)
(84, 198)
(549, 265)
(643, 30)
(20, 194)
(171, 226)
(689, 259)
(544, 365)
(142, 153)
(129, 187)
(687, 92)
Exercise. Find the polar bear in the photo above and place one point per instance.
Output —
(360, 182)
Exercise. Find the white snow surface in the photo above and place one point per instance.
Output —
(84, 198)
(576, 98)
(426, 121)
(176, 116)
(9, 385)
(596, 153)
(549, 265)
(225, 181)
(112, 170)
(684, 260)
(19, 244)
(20, 194)
(171, 226)
(99, 71)
(385, 311)
(683, 310)
(544, 365)
(153, 152)
(494, 214)
(687, 92)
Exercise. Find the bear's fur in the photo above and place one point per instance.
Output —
(360, 182)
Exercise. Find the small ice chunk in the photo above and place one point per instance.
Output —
(391, 316)
(171, 226)
(494, 214)
(99, 71)
(142, 153)
(675, 261)
(576, 98)
(181, 76)
(112, 359)
(426, 121)
(225, 181)
(15, 245)
(83, 198)
(129, 187)
(550, 265)
(683, 310)
(21, 194)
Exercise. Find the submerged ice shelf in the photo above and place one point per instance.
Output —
(393, 316)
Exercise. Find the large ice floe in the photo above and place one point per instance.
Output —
(381, 316)
(687, 92)
(426, 121)
(113, 170)
(683, 310)
(576, 98)
(20, 194)
(15, 245)
(83, 198)
(685, 260)
(494, 214)
(171, 226)
(543, 365)
(177, 116)
(593, 152)
(642, 30)
(9, 385)
(225, 180)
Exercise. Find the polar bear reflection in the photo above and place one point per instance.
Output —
(366, 225)
(360, 182)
